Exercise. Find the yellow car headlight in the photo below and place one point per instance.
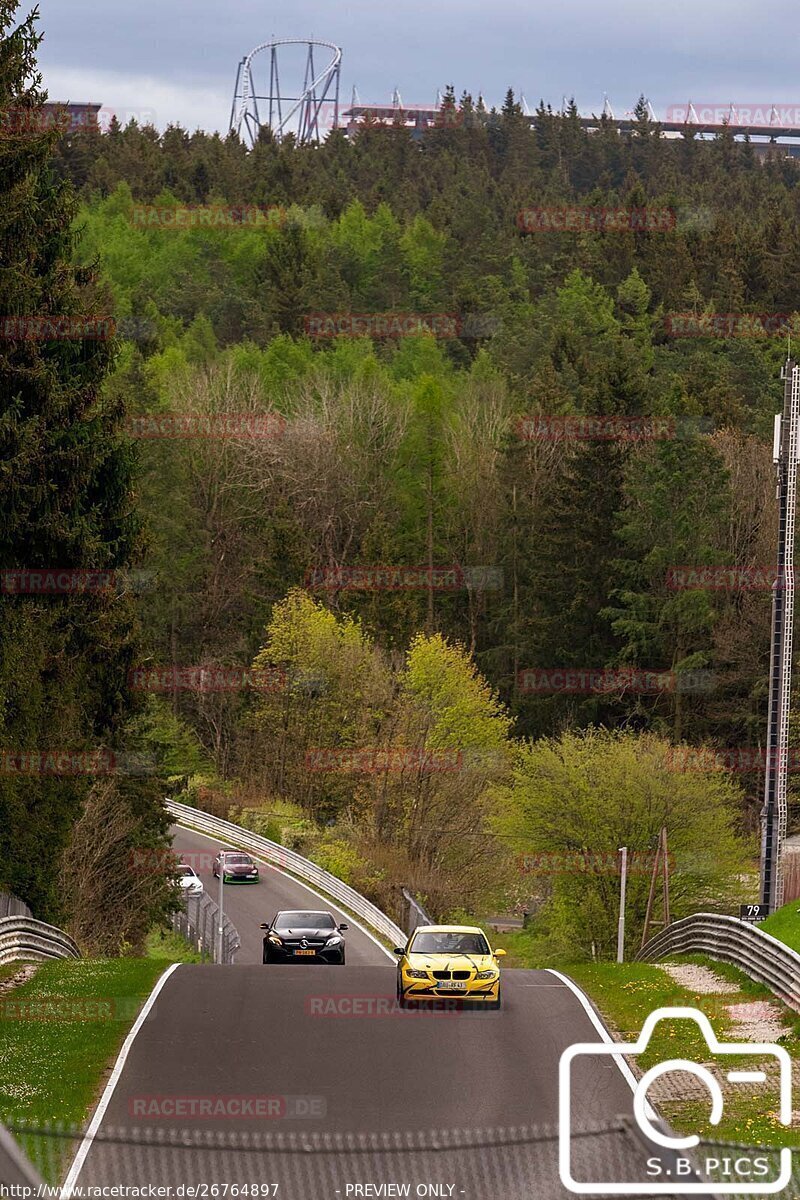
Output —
(490, 974)
(413, 974)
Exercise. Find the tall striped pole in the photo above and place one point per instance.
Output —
(786, 444)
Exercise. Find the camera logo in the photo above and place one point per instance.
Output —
(677, 1174)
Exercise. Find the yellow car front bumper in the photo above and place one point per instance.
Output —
(480, 990)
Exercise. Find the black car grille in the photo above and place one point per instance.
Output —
(460, 974)
(450, 974)
(310, 943)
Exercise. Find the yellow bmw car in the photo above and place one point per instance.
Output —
(455, 961)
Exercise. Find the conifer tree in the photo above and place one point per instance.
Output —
(65, 495)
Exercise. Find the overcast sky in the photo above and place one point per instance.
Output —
(175, 60)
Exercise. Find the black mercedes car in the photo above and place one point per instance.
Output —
(304, 937)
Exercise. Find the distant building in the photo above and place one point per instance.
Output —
(73, 116)
(765, 150)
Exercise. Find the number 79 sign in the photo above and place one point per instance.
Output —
(753, 912)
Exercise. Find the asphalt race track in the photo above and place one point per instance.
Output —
(248, 904)
(313, 1080)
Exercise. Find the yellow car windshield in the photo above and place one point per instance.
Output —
(449, 943)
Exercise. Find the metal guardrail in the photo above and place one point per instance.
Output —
(415, 914)
(23, 939)
(747, 947)
(16, 1170)
(290, 860)
(198, 922)
(12, 906)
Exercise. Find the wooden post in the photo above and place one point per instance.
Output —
(665, 869)
(651, 895)
(660, 864)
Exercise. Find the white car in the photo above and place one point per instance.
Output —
(188, 880)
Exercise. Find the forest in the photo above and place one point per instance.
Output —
(443, 465)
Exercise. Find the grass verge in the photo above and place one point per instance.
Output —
(627, 993)
(166, 943)
(59, 1030)
(60, 1033)
(784, 924)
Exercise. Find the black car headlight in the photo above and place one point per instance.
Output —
(335, 940)
(276, 941)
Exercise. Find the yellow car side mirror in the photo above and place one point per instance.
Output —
(499, 953)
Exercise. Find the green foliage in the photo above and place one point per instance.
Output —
(405, 761)
(279, 820)
(576, 533)
(336, 691)
(66, 496)
(115, 878)
(408, 452)
(580, 798)
(455, 706)
(340, 857)
(172, 742)
(676, 498)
